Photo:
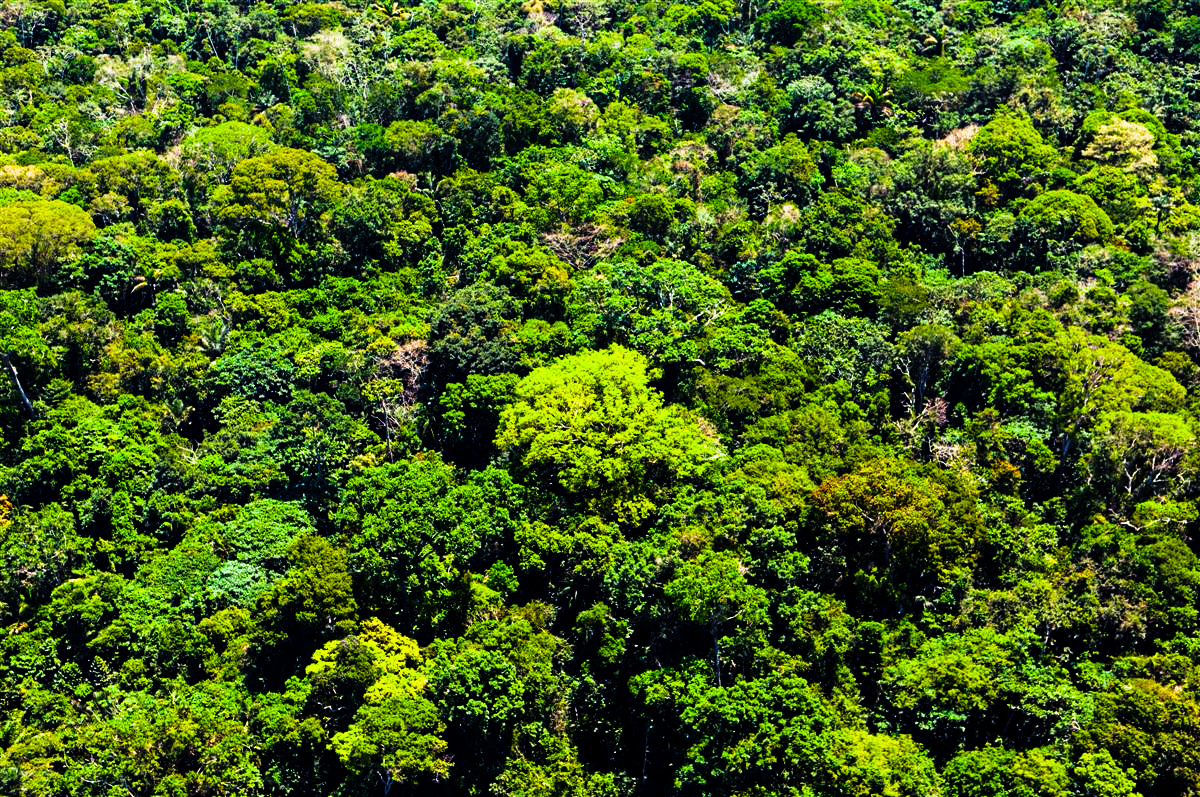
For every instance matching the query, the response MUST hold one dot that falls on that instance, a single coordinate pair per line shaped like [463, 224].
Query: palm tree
[875, 101]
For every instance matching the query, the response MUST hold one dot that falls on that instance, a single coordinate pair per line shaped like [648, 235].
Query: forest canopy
[600, 398]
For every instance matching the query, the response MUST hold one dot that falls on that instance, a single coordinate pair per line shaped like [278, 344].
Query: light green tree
[37, 237]
[592, 424]
[209, 156]
[396, 733]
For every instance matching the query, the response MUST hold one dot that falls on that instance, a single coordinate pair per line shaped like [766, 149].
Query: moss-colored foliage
[599, 398]
[39, 239]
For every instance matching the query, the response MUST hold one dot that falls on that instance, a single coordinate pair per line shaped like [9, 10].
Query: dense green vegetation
[774, 398]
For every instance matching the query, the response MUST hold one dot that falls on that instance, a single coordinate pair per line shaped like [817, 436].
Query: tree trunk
[16, 383]
[717, 656]
[387, 427]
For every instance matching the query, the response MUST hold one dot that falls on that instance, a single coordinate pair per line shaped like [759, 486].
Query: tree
[1139, 456]
[471, 413]
[934, 86]
[20, 338]
[1012, 153]
[771, 735]
[890, 536]
[259, 540]
[385, 223]
[494, 685]
[1065, 217]
[591, 424]
[473, 333]
[846, 348]
[662, 309]
[313, 603]
[395, 735]
[1099, 776]
[563, 194]
[994, 770]
[418, 147]
[1149, 311]
[712, 591]
[38, 551]
[1149, 730]
[406, 541]
[276, 200]
[922, 356]
[38, 238]
[1124, 144]
[211, 153]
[787, 172]
[816, 110]
[141, 179]
[1098, 376]
[1184, 316]
[788, 21]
